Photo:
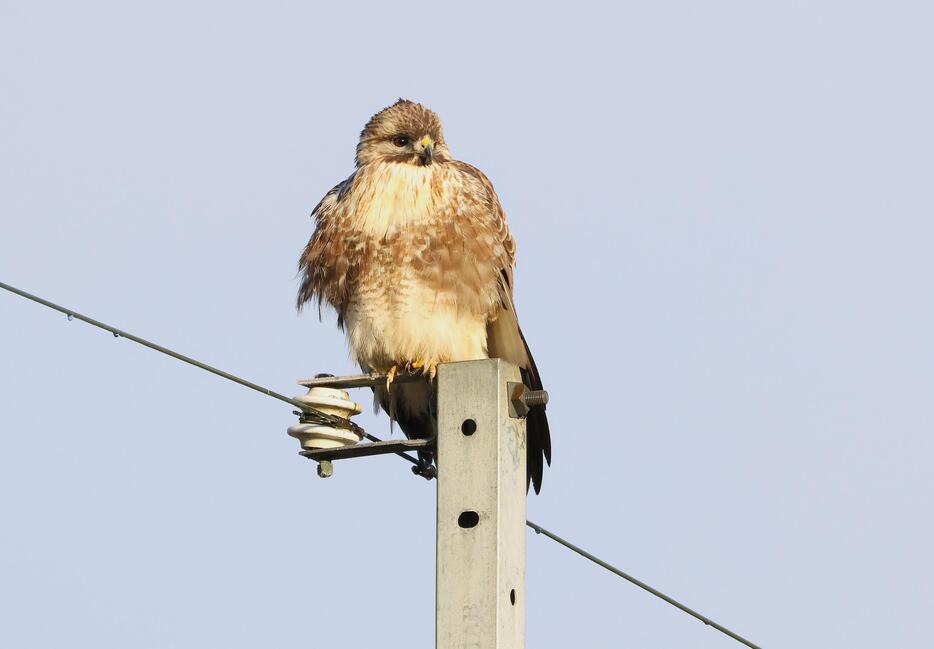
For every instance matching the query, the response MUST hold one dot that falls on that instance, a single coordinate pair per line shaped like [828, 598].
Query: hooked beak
[425, 150]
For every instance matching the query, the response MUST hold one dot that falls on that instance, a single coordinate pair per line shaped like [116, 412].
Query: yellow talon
[391, 376]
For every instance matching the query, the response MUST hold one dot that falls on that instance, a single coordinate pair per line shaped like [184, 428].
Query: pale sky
[724, 221]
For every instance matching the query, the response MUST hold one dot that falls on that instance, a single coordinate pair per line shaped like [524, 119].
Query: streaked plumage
[413, 252]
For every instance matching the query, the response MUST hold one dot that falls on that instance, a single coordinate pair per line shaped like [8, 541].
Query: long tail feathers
[538, 449]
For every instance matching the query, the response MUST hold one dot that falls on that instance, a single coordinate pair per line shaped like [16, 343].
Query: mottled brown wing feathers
[505, 339]
[324, 264]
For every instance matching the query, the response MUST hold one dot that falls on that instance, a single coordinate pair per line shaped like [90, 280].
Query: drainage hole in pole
[512, 597]
[469, 427]
[468, 519]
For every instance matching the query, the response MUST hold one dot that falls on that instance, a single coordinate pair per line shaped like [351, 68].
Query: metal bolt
[535, 398]
[325, 469]
[522, 399]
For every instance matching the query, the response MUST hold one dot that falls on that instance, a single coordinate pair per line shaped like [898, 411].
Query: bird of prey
[413, 252]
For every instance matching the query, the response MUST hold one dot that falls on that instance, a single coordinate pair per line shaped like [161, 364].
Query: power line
[312, 413]
[641, 584]
[119, 333]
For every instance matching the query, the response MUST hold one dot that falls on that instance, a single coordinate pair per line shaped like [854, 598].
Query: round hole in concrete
[468, 519]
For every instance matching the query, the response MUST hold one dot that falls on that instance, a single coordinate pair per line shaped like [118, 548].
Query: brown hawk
[413, 252]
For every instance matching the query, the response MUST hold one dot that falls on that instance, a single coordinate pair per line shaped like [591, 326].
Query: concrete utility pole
[481, 460]
[480, 452]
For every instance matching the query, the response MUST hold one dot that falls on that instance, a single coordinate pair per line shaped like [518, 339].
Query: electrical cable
[310, 414]
[641, 584]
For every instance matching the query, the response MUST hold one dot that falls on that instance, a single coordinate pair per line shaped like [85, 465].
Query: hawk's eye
[401, 140]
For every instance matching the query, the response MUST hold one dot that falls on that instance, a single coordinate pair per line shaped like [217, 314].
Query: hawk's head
[405, 132]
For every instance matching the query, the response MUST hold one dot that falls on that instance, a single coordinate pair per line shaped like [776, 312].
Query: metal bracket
[366, 450]
[324, 456]
[359, 380]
